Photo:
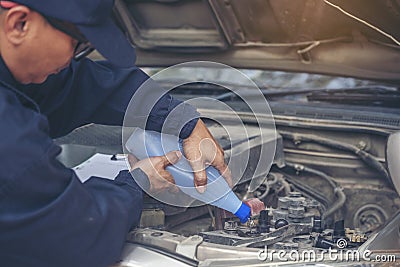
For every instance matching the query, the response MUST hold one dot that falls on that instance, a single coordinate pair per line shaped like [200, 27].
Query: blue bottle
[144, 144]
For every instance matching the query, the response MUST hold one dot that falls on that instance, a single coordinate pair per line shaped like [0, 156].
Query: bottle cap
[243, 213]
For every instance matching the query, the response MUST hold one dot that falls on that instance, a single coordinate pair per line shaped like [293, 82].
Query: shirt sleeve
[98, 92]
[47, 216]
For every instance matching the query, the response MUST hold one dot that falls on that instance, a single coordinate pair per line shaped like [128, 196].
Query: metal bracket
[305, 52]
[188, 247]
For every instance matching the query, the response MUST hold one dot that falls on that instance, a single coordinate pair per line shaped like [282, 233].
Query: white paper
[100, 165]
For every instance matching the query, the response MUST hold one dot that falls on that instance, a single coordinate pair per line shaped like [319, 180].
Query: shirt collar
[6, 76]
[9, 81]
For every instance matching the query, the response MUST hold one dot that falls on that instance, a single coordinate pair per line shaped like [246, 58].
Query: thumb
[172, 157]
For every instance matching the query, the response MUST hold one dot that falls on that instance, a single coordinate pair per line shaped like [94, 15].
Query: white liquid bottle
[144, 144]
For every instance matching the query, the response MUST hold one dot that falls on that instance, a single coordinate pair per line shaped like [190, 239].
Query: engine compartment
[324, 196]
[328, 188]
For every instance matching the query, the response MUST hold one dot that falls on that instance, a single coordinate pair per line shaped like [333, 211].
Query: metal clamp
[188, 247]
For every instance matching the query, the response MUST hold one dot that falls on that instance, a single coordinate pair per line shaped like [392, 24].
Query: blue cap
[243, 213]
[94, 19]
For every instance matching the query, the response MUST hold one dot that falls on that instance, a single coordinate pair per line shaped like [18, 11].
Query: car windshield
[273, 79]
[278, 86]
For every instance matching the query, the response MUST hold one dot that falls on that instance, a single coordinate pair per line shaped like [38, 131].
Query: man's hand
[154, 167]
[202, 150]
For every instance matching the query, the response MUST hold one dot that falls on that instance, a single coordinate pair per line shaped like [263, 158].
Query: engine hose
[307, 189]
[338, 191]
[369, 159]
[341, 199]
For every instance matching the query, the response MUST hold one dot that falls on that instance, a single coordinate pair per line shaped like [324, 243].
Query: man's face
[34, 49]
[48, 52]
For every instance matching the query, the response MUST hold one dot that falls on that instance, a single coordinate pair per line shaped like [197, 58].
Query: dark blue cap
[243, 213]
[94, 19]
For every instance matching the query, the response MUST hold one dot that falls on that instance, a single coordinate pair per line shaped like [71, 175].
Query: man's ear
[15, 24]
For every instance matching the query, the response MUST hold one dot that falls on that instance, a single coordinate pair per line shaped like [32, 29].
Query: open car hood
[357, 38]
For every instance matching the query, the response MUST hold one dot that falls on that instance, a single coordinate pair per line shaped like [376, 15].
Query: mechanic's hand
[202, 150]
[154, 167]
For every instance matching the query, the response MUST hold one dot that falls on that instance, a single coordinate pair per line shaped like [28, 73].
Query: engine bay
[328, 188]
[317, 196]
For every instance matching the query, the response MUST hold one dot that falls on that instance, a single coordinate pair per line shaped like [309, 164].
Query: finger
[226, 173]
[200, 176]
[171, 158]
[166, 175]
[172, 188]
[222, 167]
[162, 182]
[170, 182]
[198, 167]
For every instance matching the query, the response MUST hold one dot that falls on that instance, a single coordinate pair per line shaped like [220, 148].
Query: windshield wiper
[367, 96]
[372, 95]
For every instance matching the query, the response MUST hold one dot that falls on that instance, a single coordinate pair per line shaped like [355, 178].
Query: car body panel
[337, 37]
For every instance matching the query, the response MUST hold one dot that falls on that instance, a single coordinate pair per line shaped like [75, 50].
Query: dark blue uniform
[47, 216]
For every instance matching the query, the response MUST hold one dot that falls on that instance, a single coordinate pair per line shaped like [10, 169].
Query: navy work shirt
[47, 216]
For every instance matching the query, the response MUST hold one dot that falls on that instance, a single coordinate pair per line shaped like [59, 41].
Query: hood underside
[358, 38]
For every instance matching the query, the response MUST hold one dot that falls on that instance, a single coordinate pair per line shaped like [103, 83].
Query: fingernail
[178, 154]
